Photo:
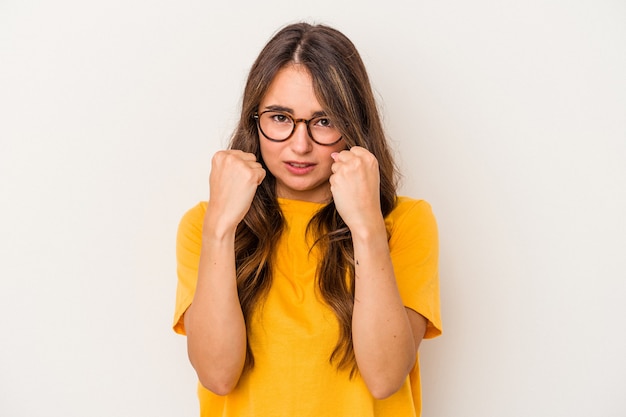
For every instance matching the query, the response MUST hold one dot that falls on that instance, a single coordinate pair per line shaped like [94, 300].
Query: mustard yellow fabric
[293, 333]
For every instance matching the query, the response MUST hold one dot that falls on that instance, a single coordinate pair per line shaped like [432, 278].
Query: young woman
[305, 283]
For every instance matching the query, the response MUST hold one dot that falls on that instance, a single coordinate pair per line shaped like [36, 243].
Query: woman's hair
[342, 87]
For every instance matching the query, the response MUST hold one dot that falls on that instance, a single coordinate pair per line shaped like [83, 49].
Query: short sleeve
[188, 245]
[414, 248]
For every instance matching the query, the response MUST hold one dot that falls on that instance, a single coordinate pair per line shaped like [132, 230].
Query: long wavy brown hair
[343, 89]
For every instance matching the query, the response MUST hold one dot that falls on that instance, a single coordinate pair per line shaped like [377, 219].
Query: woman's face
[301, 166]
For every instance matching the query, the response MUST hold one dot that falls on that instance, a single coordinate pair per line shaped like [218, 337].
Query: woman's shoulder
[193, 218]
[197, 210]
[410, 211]
[406, 205]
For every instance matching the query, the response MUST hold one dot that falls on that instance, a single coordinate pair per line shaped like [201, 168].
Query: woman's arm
[216, 331]
[385, 334]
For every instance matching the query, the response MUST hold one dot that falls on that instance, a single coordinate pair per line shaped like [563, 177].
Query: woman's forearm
[384, 344]
[216, 331]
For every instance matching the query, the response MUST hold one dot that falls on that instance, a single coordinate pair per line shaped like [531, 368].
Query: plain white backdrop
[509, 117]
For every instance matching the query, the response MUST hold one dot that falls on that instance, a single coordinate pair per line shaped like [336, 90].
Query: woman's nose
[300, 140]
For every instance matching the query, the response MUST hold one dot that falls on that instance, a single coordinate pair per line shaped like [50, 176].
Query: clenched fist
[355, 185]
[235, 176]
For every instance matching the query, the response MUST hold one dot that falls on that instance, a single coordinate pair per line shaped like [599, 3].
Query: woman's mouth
[299, 168]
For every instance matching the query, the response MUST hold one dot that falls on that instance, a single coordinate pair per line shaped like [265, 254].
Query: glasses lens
[276, 125]
[324, 131]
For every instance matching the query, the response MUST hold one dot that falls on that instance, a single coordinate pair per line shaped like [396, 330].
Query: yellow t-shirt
[293, 334]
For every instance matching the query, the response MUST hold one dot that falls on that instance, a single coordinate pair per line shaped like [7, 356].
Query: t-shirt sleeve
[414, 247]
[188, 245]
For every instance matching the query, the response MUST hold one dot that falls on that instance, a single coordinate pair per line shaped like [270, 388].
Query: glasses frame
[257, 117]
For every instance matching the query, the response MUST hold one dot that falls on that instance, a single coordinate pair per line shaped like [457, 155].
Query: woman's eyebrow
[279, 108]
[289, 110]
[318, 114]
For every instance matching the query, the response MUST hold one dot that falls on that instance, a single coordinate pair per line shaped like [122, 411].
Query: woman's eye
[280, 118]
[323, 122]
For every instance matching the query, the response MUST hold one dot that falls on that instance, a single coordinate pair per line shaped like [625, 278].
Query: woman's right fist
[235, 176]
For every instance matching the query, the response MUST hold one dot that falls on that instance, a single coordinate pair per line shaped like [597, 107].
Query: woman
[305, 284]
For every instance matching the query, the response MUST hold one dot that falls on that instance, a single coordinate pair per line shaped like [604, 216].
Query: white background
[508, 116]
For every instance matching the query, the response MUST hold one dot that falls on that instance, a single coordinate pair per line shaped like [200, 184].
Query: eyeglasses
[279, 126]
